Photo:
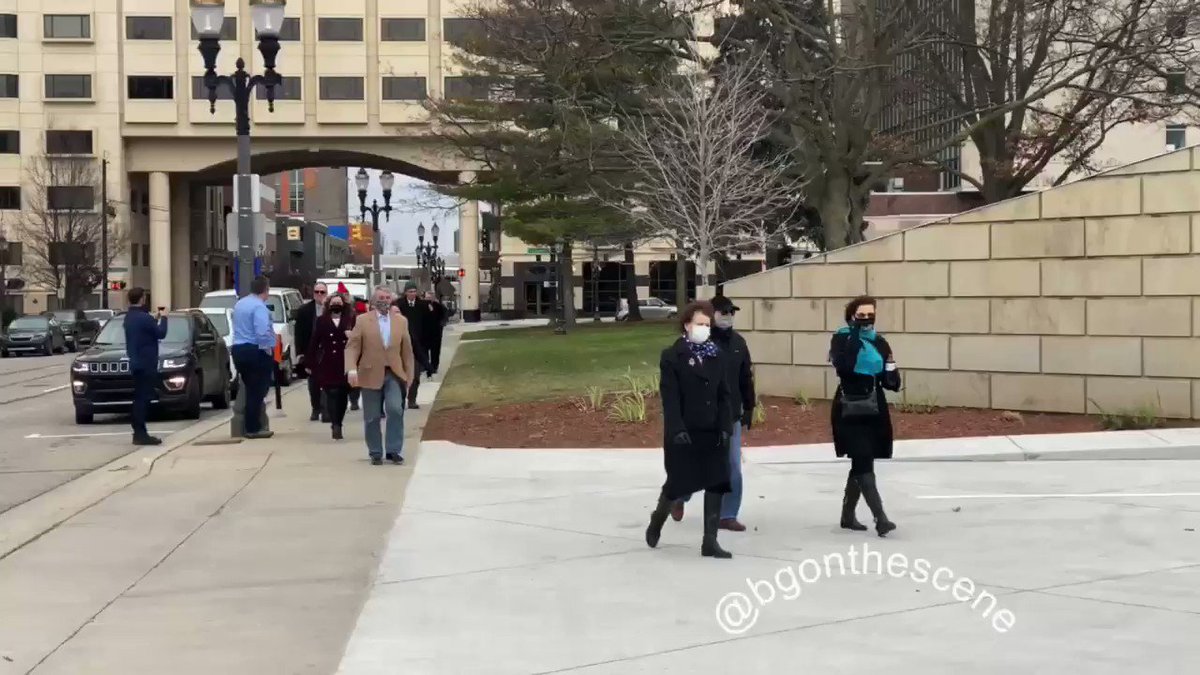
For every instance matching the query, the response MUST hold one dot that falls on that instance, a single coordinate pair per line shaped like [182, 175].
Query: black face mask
[864, 322]
[337, 309]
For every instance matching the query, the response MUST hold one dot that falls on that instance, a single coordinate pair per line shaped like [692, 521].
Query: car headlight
[174, 364]
[79, 367]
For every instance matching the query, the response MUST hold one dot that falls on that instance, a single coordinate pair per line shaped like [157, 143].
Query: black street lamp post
[386, 181]
[208, 16]
[560, 318]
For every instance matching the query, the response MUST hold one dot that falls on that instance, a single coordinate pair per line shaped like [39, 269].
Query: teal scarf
[870, 361]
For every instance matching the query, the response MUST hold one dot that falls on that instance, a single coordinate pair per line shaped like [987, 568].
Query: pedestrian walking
[434, 330]
[327, 360]
[739, 373]
[418, 314]
[142, 335]
[379, 361]
[306, 320]
[862, 426]
[697, 414]
[354, 307]
[253, 354]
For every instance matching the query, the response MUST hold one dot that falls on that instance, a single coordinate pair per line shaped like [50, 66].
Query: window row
[58, 198]
[58, 142]
[69, 86]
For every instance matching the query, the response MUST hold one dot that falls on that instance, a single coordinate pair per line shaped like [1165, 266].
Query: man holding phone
[142, 334]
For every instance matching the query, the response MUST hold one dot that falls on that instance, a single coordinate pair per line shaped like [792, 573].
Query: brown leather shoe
[731, 524]
[677, 511]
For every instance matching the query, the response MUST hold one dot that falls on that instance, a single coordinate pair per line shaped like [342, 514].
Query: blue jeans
[374, 402]
[731, 503]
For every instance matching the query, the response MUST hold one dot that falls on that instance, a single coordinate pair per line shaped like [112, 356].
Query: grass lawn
[529, 364]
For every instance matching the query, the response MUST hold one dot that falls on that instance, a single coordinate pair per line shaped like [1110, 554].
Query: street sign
[293, 233]
[537, 251]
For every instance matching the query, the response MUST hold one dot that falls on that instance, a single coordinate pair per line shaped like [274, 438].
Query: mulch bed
[569, 424]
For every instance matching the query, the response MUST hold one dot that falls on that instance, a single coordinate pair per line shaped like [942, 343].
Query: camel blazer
[366, 354]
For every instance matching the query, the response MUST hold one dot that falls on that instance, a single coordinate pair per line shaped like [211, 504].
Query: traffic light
[117, 285]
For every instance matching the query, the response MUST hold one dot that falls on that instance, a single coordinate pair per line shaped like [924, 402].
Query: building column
[468, 254]
[160, 238]
[181, 246]
[641, 273]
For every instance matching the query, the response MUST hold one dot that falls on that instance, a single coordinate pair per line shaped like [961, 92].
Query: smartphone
[162, 309]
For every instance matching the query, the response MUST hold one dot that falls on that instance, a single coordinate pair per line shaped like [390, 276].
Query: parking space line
[1069, 495]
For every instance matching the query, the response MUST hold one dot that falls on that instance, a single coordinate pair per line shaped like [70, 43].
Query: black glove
[682, 438]
[748, 418]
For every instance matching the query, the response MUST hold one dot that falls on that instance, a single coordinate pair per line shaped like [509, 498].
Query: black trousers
[862, 464]
[256, 368]
[412, 389]
[143, 393]
[336, 400]
[435, 350]
[314, 394]
[355, 394]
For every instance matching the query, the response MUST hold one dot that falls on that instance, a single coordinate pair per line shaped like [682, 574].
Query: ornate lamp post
[208, 16]
[362, 181]
[427, 254]
[560, 319]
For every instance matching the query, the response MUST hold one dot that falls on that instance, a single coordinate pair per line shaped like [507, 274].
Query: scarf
[869, 361]
[702, 350]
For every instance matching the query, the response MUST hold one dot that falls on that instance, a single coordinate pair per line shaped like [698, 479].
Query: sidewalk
[232, 558]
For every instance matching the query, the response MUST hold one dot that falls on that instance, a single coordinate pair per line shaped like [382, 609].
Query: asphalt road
[40, 445]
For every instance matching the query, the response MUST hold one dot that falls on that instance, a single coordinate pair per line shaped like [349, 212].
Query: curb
[29, 520]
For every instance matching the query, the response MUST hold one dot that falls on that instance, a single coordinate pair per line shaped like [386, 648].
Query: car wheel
[84, 415]
[195, 397]
[220, 400]
[71, 346]
[48, 350]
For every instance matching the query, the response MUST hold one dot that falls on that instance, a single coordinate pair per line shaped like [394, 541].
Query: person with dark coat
[327, 359]
[862, 426]
[435, 328]
[735, 353]
[418, 314]
[697, 417]
[142, 335]
[306, 319]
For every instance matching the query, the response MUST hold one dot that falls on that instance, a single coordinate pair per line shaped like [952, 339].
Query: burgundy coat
[327, 349]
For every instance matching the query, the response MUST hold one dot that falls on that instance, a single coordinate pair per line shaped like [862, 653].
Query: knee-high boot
[849, 503]
[712, 520]
[870, 494]
[657, 518]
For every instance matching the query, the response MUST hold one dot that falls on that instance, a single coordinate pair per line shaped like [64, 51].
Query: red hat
[342, 290]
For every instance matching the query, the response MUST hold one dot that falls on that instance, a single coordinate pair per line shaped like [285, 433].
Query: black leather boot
[870, 493]
[712, 520]
[849, 503]
[658, 517]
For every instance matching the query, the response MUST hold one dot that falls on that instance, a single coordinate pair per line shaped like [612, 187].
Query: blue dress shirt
[252, 324]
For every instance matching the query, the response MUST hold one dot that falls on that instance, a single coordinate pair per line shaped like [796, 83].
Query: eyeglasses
[320, 292]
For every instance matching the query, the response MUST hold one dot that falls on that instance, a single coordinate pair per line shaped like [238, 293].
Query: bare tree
[698, 178]
[61, 227]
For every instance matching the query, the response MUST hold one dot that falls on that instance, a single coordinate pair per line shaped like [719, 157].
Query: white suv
[283, 303]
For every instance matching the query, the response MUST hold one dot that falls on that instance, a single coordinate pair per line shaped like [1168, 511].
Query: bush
[1145, 416]
[801, 399]
[629, 408]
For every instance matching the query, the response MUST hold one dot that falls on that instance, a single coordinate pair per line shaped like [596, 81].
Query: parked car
[76, 327]
[222, 320]
[34, 334]
[283, 303]
[193, 368]
[101, 316]
[650, 308]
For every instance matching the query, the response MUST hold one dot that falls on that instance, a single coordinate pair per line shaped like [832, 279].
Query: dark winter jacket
[738, 368]
[142, 334]
[870, 437]
[694, 392]
[326, 355]
[419, 317]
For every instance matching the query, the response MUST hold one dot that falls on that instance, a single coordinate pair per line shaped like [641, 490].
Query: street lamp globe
[387, 180]
[435, 231]
[421, 230]
[267, 16]
[362, 180]
[208, 16]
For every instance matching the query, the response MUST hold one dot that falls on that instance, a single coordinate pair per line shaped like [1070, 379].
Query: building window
[340, 30]
[296, 192]
[10, 142]
[289, 31]
[341, 88]
[151, 86]
[148, 28]
[70, 198]
[200, 92]
[8, 25]
[289, 89]
[403, 30]
[9, 86]
[404, 89]
[468, 88]
[1176, 83]
[228, 29]
[68, 86]
[1176, 136]
[10, 198]
[67, 26]
[68, 142]
[460, 31]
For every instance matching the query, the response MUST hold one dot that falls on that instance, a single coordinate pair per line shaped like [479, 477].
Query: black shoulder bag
[860, 406]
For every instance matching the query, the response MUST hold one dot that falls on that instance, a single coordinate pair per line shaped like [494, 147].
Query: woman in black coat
[697, 419]
[862, 427]
[326, 358]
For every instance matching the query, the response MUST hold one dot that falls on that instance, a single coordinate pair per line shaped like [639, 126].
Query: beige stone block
[942, 241]
[889, 314]
[908, 279]
[1171, 193]
[769, 348]
[1100, 196]
[743, 319]
[1092, 277]
[1149, 317]
[947, 388]
[1003, 278]
[1027, 207]
[1195, 316]
[1132, 395]
[1001, 353]
[777, 380]
[1171, 276]
[946, 315]
[1172, 357]
[789, 314]
[1195, 399]
[890, 247]
[1038, 239]
[832, 381]
[1180, 160]
[811, 349]
[776, 283]
[1084, 355]
[1045, 393]
[1039, 316]
[1139, 235]
[828, 281]
[920, 350]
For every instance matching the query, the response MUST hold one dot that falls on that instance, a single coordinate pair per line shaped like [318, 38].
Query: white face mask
[698, 334]
[724, 321]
